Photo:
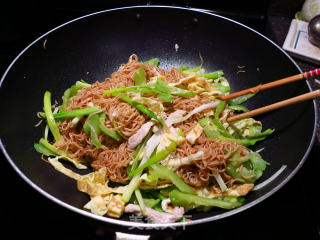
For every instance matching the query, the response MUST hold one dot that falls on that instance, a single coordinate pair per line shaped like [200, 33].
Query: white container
[297, 42]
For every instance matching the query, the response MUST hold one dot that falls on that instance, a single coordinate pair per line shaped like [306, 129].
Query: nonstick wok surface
[92, 47]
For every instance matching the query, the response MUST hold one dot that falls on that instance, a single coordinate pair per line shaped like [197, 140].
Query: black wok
[94, 46]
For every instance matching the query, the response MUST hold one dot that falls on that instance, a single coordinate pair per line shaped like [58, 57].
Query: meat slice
[155, 216]
[137, 138]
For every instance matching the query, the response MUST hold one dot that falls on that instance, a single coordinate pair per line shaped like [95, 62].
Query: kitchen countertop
[277, 29]
[279, 17]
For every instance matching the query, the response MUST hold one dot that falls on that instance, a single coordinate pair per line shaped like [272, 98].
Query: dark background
[291, 213]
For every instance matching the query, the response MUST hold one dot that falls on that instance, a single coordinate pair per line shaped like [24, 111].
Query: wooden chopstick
[277, 105]
[272, 84]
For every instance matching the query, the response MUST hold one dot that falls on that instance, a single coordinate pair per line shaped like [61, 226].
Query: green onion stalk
[49, 116]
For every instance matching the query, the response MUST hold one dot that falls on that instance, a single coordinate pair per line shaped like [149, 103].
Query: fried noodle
[115, 155]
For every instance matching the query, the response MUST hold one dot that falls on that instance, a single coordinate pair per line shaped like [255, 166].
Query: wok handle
[127, 236]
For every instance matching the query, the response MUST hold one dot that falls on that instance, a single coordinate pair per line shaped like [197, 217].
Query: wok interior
[93, 47]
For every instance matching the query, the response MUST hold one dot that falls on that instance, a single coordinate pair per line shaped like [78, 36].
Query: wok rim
[124, 223]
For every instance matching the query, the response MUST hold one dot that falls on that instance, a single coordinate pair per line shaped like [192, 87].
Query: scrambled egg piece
[115, 206]
[98, 205]
[194, 134]
[94, 183]
[169, 136]
[112, 205]
[154, 79]
[59, 167]
[237, 190]
[198, 85]
[240, 190]
[93, 189]
[103, 198]
[225, 113]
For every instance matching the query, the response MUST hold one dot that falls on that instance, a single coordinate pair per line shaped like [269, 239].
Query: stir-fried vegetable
[134, 183]
[110, 133]
[161, 88]
[189, 70]
[43, 149]
[239, 108]
[50, 148]
[73, 113]
[221, 88]
[186, 69]
[132, 89]
[118, 131]
[71, 92]
[162, 172]
[213, 128]
[153, 168]
[153, 62]
[189, 201]
[136, 156]
[155, 158]
[47, 149]
[142, 108]
[140, 77]
[151, 199]
[217, 121]
[250, 170]
[243, 141]
[212, 75]
[241, 99]
[92, 126]
[150, 202]
[140, 201]
[248, 128]
[49, 116]
[212, 131]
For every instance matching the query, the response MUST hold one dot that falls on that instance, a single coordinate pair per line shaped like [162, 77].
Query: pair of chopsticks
[290, 101]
